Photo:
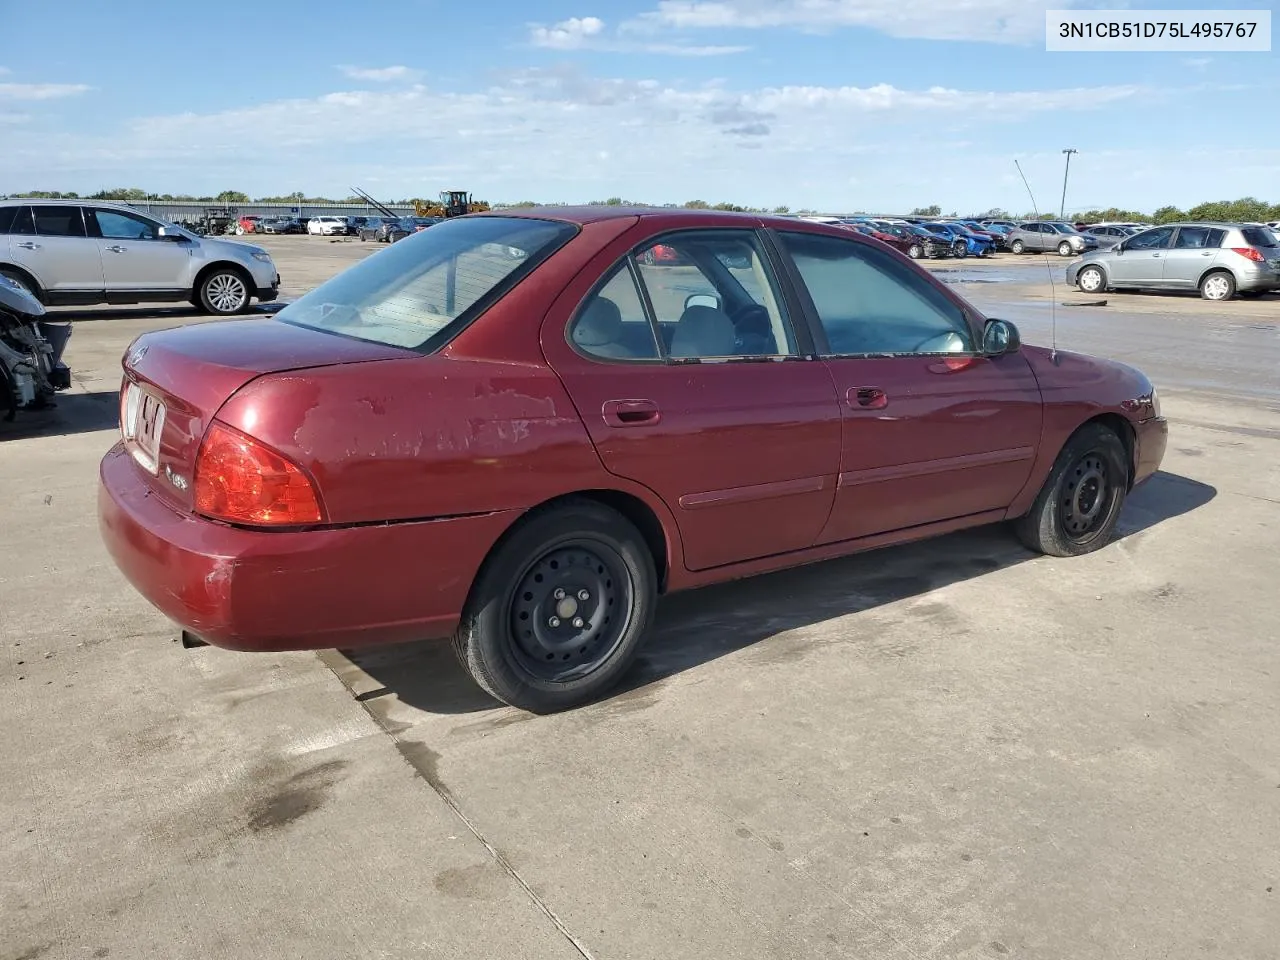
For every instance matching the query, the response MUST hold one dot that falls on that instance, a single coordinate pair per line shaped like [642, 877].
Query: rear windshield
[1260, 237]
[408, 294]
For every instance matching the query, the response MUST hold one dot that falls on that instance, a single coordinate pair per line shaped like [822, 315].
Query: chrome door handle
[116, 248]
[871, 398]
[28, 245]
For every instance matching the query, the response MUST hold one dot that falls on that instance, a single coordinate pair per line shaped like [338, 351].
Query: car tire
[1064, 249]
[522, 636]
[1218, 285]
[1017, 246]
[1079, 505]
[914, 251]
[224, 292]
[1096, 281]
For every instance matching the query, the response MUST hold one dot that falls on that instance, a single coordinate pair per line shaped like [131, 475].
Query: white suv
[69, 252]
[327, 226]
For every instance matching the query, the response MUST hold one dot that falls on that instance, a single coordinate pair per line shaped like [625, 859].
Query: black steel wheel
[1079, 505]
[560, 608]
[570, 609]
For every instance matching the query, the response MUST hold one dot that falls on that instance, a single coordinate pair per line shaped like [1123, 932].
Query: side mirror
[170, 234]
[1000, 337]
[1119, 247]
[701, 300]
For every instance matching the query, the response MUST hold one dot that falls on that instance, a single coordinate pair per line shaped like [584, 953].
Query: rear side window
[419, 291]
[6, 218]
[1259, 237]
[1196, 238]
[59, 221]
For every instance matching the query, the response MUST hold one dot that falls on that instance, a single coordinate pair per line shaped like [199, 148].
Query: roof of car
[593, 214]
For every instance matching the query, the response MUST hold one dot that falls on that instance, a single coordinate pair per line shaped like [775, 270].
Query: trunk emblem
[135, 357]
[177, 479]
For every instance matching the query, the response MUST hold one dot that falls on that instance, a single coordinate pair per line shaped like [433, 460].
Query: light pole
[1062, 213]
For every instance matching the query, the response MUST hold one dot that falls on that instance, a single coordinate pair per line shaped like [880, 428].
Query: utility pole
[1062, 213]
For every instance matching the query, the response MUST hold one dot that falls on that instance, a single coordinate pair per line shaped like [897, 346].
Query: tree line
[1246, 209]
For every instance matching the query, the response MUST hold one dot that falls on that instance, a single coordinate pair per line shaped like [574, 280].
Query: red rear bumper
[269, 590]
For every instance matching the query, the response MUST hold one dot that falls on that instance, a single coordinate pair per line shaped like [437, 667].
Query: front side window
[117, 225]
[869, 304]
[1157, 239]
[412, 294]
[58, 221]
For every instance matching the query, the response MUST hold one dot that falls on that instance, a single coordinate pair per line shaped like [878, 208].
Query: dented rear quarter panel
[482, 426]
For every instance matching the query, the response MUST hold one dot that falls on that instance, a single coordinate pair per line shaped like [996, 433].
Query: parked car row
[387, 230]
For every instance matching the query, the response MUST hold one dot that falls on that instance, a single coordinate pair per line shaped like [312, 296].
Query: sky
[833, 105]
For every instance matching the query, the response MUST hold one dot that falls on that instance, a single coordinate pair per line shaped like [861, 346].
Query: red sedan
[512, 431]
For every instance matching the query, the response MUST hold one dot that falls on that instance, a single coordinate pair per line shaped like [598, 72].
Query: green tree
[931, 211]
[696, 205]
[232, 196]
[784, 209]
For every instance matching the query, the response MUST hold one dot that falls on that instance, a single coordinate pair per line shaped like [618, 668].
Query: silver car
[1108, 235]
[80, 252]
[1218, 259]
[1040, 235]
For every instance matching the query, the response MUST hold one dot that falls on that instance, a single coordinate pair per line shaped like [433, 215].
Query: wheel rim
[1064, 249]
[226, 292]
[914, 251]
[1087, 499]
[1216, 287]
[1091, 280]
[1017, 246]
[569, 610]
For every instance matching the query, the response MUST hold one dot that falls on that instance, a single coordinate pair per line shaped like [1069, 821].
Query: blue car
[964, 242]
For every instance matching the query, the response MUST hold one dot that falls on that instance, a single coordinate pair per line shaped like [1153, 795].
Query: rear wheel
[224, 292]
[1219, 285]
[559, 609]
[1079, 505]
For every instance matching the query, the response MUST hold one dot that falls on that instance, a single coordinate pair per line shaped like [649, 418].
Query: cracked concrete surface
[947, 750]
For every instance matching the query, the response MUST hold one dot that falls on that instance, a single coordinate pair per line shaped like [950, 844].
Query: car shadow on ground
[698, 626]
[74, 413]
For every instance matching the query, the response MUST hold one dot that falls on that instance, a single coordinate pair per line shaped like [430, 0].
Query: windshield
[409, 293]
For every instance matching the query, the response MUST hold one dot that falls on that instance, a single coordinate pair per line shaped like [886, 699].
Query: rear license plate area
[142, 425]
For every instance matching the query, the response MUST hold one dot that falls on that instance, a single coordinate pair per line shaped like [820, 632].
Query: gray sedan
[1218, 259]
[1108, 236]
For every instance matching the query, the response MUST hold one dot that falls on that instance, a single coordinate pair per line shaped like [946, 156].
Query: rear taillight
[1249, 253]
[240, 480]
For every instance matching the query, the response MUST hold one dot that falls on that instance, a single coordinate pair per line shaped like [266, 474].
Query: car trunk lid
[176, 380]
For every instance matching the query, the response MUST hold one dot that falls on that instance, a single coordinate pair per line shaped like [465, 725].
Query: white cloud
[382, 74]
[558, 134]
[4, 70]
[40, 91]
[996, 21]
[588, 33]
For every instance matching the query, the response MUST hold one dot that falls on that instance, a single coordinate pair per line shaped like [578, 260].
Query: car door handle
[1156, 256]
[116, 248]
[28, 245]
[868, 398]
[630, 413]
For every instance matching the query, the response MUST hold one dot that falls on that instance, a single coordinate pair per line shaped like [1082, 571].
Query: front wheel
[1079, 505]
[559, 609]
[914, 251]
[224, 293]
[1091, 280]
[1219, 285]
[1064, 249]
[1017, 246]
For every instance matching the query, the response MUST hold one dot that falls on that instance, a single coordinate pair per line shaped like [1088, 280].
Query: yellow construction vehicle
[452, 203]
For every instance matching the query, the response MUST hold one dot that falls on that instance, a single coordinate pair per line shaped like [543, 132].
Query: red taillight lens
[1249, 253]
[239, 480]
